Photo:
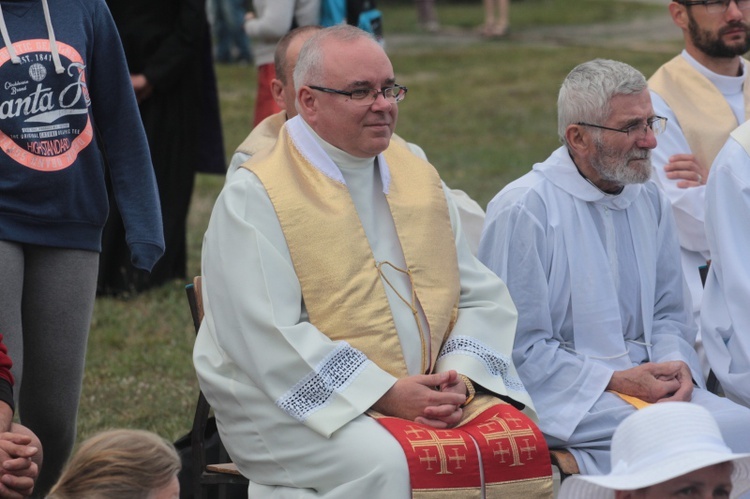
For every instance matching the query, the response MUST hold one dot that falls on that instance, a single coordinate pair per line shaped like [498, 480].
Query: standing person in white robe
[588, 248]
[309, 308]
[265, 133]
[702, 93]
[726, 315]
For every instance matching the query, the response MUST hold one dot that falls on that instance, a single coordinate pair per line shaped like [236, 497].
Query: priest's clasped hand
[416, 399]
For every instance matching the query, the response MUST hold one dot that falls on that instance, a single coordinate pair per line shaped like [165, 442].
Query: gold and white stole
[700, 108]
[341, 283]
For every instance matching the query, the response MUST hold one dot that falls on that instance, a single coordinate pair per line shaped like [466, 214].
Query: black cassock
[169, 42]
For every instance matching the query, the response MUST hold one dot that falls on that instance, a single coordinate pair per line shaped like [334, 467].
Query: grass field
[484, 112]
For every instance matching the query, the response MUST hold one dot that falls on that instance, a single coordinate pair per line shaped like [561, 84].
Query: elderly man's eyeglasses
[366, 96]
[716, 6]
[657, 124]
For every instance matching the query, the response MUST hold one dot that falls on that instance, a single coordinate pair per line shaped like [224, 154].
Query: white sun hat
[658, 443]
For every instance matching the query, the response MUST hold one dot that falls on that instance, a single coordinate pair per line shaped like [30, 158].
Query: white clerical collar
[727, 85]
[342, 158]
[328, 158]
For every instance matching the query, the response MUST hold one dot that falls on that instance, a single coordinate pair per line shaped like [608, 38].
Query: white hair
[586, 92]
[309, 69]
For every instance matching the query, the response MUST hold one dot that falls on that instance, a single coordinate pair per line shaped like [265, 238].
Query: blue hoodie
[66, 103]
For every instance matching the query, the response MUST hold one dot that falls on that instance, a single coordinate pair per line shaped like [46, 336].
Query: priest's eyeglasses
[716, 6]
[657, 124]
[394, 94]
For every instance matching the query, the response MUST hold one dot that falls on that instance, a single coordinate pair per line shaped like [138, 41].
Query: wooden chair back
[207, 474]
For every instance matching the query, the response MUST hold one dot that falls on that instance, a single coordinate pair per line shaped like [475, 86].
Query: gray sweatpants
[46, 302]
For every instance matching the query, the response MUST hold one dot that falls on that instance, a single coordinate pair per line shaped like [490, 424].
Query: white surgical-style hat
[658, 443]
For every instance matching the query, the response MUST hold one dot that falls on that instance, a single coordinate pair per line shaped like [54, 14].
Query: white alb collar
[328, 158]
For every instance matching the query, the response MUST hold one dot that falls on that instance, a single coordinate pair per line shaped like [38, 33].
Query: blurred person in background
[168, 50]
[266, 25]
[496, 18]
[427, 15]
[226, 24]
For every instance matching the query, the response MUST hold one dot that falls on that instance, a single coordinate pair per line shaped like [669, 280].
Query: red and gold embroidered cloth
[499, 450]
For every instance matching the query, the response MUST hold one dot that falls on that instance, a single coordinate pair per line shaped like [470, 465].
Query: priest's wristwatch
[469, 388]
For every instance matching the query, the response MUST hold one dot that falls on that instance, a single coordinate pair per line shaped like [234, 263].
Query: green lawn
[484, 112]
[400, 16]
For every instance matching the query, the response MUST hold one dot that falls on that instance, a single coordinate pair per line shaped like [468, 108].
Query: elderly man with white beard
[588, 247]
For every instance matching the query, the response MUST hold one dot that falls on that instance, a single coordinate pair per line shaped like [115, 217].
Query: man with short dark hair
[265, 133]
